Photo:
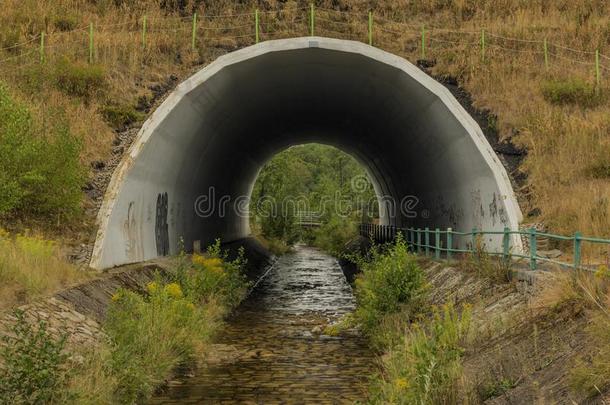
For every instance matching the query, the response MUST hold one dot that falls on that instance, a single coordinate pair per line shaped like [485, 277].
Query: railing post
[506, 243]
[371, 28]
[194, 33]
[474, 240]
[577, 249]
[437, 244]
[418, 240]
[312, 19]
[533, 249]
[449, 242]
[42, 47]
[256, 26]
[427, 241]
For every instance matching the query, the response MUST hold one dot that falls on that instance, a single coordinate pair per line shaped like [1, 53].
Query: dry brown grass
[568, 144]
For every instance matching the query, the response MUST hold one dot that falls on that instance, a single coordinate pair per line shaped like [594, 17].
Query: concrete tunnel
[191, 169]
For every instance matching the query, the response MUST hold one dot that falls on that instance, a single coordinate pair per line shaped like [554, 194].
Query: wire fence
[97, 43]
[445, 243]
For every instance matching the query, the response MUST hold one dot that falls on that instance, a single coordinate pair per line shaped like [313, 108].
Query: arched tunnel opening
[190, 172]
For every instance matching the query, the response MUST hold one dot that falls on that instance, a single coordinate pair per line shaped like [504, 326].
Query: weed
[571, 91]
[33, 365]
[121, 116]
[79, 79]
[426, 367]
[391, 281]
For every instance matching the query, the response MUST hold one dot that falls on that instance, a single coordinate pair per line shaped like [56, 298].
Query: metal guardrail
[439, 241]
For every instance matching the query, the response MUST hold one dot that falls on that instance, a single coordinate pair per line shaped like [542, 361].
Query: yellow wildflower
[190, 306]
[602, 272]
[173, 290]
[401, 383]
[152, 287]
[116, 297]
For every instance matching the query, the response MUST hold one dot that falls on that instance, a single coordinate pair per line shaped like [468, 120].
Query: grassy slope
[568, 145]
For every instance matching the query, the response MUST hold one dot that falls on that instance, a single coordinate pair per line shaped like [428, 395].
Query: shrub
[120, 116]
[32, 368]
[40, 172]
[571, 91]
[80, 79]
[390, 280]
[426, 366]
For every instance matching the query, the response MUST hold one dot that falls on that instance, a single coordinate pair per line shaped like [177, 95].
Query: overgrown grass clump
[31, 266]
[40, 172]
[571, 91]
[425, 368]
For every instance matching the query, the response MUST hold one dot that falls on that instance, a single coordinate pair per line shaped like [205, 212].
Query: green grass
[571, 91]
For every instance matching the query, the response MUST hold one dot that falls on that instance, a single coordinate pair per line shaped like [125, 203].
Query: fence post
[42, 47]
[144, 32]
[312, 18]
[418, 240]
[371, 28]
[91, 43]
[483, 45]
[546, 55]
[437, 243]
[597, 71]
[533, 253]
[506, 243]
[194, 33]
[577, 249]
[256, 25]
[427, 241]
[449, 242]
[423, 42]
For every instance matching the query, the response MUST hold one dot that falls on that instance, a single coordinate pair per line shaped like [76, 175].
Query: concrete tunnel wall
[218, 128]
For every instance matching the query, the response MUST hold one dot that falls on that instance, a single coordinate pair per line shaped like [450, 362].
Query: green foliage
[120, 116]
[215, 277]
[571, 91]
[334, 234]
[40, 172]
[33, 365]
[79, 79]
[316, 178]
[390, 281]
[497, 388]
[426, 366]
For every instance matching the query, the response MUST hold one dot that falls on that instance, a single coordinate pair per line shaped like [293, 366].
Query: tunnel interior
[190, 172]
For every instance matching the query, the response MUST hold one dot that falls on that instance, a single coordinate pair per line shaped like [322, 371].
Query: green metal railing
[441, 242]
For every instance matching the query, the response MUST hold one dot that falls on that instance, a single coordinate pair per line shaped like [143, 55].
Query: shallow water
[272, 351]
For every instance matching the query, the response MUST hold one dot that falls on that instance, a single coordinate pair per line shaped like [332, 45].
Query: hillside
[99, 88]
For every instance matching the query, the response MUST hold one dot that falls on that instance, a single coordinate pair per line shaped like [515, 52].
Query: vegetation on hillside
[31, 266]
[149, 336]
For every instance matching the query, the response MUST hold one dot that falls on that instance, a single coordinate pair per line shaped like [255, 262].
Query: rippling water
[272, 351]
